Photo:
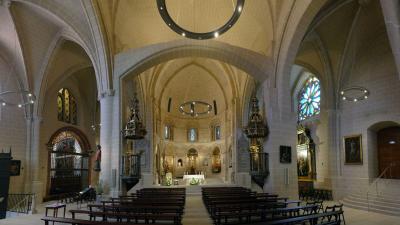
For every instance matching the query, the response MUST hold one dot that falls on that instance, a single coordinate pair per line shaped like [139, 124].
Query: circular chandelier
[195, 108]
[162, 8]
[27, 99]
[354, 94]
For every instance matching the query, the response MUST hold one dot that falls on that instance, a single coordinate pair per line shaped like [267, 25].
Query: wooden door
[389, 152]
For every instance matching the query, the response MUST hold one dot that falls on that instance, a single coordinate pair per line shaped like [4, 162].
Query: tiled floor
[196, 214]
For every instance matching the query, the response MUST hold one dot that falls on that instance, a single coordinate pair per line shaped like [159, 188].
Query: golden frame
[355, 158]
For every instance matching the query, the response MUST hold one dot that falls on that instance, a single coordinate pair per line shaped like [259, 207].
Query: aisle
[195, 212]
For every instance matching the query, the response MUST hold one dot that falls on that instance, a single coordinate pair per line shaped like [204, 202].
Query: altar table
[188, 178]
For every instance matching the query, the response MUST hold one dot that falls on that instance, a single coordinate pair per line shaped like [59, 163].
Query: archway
[68, 162]
[388, 152]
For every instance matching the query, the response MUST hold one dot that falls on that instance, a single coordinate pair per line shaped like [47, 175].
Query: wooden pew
[256, 213]
[328, 218]
[172, 218]
[48, 220]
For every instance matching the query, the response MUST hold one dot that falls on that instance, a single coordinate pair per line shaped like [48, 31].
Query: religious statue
[97, 159]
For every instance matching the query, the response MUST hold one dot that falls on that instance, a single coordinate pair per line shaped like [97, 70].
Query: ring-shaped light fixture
[162, 8]
[28, 98]
[354, 94]
[192, 106]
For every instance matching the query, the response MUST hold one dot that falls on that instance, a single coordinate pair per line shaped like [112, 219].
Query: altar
[187, 178]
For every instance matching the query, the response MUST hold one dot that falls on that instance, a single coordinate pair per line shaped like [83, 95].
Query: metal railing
[386, 171]
[20, 203]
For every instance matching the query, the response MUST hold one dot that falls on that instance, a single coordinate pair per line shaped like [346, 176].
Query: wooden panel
[389, 152]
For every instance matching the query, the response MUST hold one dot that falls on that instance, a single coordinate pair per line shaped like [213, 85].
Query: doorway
[69, 162]
[389, 152]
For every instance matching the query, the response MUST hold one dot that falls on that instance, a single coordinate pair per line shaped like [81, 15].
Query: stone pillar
[106, 120]
[33, 170]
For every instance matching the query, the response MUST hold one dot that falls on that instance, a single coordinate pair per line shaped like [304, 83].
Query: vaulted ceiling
[340, 34]
[133, 24]
[193, 79]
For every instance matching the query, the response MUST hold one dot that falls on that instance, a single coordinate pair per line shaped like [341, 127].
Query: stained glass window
[167, 132]
[66, 107]
[192, 134]
[217, 133]
[309, 99]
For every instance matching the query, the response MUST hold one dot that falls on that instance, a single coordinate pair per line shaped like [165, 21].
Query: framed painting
[285, 154]
[353, 152]
[15, 168]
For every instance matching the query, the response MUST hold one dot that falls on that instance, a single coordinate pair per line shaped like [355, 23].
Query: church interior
[199, 112]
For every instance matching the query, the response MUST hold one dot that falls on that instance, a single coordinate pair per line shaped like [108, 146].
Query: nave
[296, 98]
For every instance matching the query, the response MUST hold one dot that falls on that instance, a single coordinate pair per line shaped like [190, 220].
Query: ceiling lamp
[354, 94]
[134, 129]
[195, 108]
[27, 98]
[162, 8]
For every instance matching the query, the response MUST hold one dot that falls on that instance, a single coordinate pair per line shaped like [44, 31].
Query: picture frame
[285, 154]
[353, 151]
[15, 168]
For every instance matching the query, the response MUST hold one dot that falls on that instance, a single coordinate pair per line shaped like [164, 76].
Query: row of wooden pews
[150, 205]
[238, 205]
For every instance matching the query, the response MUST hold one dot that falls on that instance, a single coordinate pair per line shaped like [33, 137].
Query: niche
[216, 161]
[180, 163]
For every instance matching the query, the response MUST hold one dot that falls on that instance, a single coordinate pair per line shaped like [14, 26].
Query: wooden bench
[255, 213]
[174, 218]
[137, 208]
[328, 218]
[71, 221]
[55, 207]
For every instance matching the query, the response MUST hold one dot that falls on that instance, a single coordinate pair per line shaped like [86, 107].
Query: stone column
[106, 118]
[34, 183]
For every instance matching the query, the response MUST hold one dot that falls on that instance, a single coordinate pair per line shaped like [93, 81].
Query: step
[365, 204]
[371, 208]
[374, 201]
[374, 197]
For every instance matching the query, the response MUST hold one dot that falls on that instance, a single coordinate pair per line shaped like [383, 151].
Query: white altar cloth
[188, 178]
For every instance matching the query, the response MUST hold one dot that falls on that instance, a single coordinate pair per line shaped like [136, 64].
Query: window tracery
[309, 99]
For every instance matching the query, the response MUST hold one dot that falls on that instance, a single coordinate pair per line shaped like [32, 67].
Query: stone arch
[67, 167]
[51, 53]
[78, 134]
[136, 61]
[74, 32]
[298, 23]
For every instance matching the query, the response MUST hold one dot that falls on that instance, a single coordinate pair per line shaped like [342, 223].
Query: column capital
[30, 118]
[5, 3]
[107, 93]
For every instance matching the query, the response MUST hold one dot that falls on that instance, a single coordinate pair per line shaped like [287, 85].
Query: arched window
[168, 132]
[309, 99]
[192, 134]
[66, 107]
